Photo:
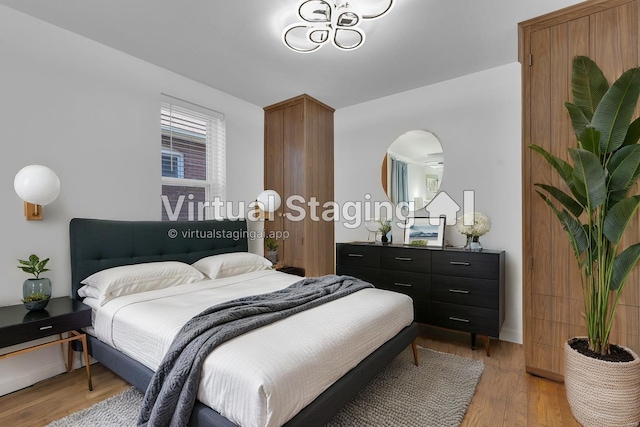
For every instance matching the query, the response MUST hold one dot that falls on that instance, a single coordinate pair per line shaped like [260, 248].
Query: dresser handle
[459, 263]
[406, 285]
[458, 291]
[457, 319]
[46, 327]
[399, 258]
[356, 255]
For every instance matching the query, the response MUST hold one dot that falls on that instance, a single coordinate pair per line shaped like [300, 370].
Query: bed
[97, 245]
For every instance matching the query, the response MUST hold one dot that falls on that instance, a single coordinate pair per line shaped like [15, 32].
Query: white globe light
[37, 184]
[269, 200]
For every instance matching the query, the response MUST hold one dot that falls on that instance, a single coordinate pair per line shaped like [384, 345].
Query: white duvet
[266, 376]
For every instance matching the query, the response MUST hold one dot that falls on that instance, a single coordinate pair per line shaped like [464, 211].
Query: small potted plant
[384, 229]
[272, 249]
[36, 291]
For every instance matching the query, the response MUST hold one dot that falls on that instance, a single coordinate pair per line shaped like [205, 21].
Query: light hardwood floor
[506, 395]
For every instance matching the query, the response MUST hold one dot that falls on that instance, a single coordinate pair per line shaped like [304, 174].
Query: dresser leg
[473, 341]
[415, 352]
[486, 346]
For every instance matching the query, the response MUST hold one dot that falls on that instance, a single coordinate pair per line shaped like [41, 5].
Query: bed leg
[414, 347]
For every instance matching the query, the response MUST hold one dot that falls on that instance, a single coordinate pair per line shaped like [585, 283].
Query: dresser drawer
[406, 259]
[370, 275]
[466, 264]
[465, 291]
[358, 255]
[477, 320]
[416, 285]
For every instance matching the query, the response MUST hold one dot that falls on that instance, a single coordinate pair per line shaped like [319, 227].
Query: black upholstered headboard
[97, 244]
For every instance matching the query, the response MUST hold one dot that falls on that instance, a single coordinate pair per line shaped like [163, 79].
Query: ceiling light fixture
[336, 21]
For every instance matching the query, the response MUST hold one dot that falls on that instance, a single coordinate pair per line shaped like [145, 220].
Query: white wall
[477, 119]
[91, 114]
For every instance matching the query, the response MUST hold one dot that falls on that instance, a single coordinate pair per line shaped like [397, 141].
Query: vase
[272, 256]
[40, 287]
[602, 393]
[473, 243]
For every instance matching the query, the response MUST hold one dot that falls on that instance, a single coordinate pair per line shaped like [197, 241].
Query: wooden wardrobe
[298, 147]
[607, 32]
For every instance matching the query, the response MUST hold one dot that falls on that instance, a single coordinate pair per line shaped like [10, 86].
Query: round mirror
[412, 168]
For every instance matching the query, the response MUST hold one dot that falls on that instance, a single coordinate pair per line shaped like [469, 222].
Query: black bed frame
[98, 244]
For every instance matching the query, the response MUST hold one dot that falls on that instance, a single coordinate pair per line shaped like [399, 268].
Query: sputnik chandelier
[334, 21]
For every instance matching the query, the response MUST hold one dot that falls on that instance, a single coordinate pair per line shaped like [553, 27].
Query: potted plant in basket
[272, 249]
[602, 380]
[36, 291]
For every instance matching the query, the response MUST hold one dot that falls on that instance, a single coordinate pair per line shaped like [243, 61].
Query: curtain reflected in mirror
[412, 168]
[399, 184]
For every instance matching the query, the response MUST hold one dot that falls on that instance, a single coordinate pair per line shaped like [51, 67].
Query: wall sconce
[38, 186]
[269, 201]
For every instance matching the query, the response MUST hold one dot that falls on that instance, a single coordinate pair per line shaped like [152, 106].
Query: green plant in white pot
[36, 291]
[595, 209]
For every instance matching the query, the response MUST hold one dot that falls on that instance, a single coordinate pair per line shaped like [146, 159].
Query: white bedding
[266, 376]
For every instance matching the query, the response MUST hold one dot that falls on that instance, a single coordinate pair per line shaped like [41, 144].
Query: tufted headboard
[97, 244]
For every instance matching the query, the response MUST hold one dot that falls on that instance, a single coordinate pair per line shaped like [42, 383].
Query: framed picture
[423, 233]
[432, 183]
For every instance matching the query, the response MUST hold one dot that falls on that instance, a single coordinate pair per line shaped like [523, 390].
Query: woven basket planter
[602, 393]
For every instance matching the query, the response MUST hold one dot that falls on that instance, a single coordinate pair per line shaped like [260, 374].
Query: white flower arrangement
[481, 224]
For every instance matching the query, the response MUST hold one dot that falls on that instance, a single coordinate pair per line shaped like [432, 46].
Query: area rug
[435, 394]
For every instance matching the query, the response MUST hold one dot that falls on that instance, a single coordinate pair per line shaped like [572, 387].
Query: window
[193, 160]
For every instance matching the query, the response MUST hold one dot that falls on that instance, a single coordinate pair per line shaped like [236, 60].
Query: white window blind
[193, 159]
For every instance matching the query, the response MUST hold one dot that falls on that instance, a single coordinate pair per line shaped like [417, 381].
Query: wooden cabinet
[454, 289]
[298, 147]
[607, 32]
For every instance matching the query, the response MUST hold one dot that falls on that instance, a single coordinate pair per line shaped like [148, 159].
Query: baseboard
[511, 335]
[26, 379]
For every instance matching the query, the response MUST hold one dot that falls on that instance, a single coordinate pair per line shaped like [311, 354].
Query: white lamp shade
[37, 184]
[269, 200]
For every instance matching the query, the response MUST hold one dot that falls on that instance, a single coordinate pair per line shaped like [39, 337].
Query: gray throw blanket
[170, 397]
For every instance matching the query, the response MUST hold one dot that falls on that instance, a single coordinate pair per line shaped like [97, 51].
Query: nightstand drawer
[465, 291]
[416, 285]
[358, 255]
[477, 320]
[18, 325]
[466, 264]
[406, 259]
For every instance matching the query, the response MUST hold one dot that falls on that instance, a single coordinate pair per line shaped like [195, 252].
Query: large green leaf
[623, 265]
[578, 119]
[613, 115]
[618, 218]
[590, 140]
[567, 201]
[575, 231]
[588, 85]
[622, 167]
[633, 133]
[589, 172]
[564, 169]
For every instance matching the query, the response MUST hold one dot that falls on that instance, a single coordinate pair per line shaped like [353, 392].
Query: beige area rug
[435, 394]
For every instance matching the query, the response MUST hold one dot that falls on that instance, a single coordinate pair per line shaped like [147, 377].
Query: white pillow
[130, 279]
[231, 264]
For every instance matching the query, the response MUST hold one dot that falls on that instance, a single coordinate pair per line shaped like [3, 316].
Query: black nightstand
[19, 325]
[298, 271]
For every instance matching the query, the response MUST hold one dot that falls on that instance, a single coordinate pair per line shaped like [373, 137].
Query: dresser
[454, 288]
